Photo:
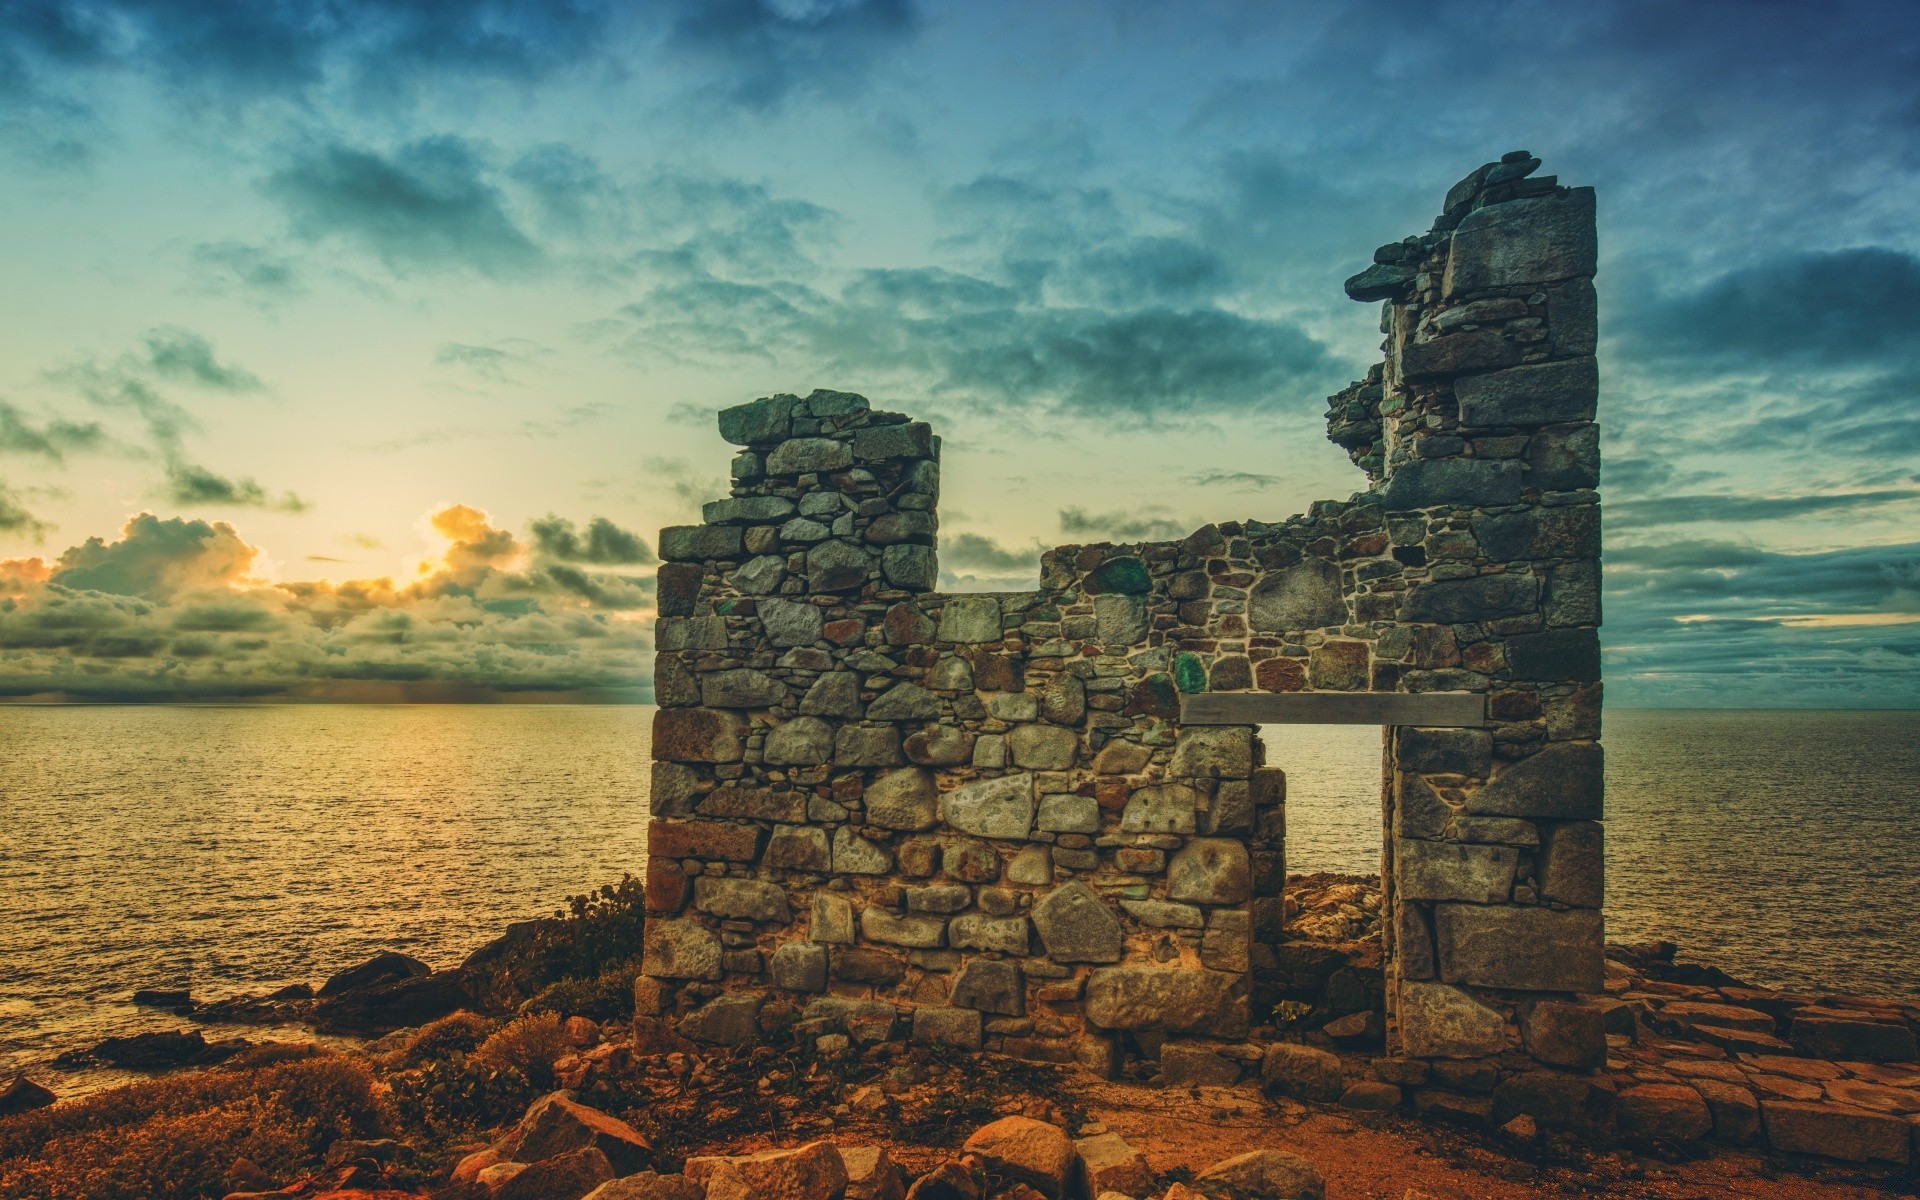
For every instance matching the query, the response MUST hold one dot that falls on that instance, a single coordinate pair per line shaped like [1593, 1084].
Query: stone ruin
[1040, 822]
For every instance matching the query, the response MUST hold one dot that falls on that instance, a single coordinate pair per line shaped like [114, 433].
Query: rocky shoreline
[1702, 1071]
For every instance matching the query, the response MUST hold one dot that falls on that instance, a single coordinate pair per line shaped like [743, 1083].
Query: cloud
[183, 356]
[974, 551]
[14, 517]
[51, 441]
[175, 608]
[191, 484]
[765, 50]
[1690, 509]
[426, 206]
[604, 542]
[1244, 481]
[1145, 524]
[254, 269]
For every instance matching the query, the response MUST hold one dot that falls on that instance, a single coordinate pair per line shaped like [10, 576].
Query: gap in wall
[1333, 795]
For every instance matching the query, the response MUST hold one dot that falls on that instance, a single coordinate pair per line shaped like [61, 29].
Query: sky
[358, 350]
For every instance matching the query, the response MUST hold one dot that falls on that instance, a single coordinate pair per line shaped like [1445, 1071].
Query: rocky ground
[1711, 1088]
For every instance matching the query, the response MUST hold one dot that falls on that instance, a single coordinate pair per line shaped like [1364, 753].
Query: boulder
[1670, 1111]
[568, 1176]
[399, 1004]
[24, 1095]
[1262, 1175]
[1027, 1151]
[871, 1174]
[1835, 1131]
[948, 1181]
[1303, 1071]
[648, 1186]
[1111, 1165]
[814, 1171]
[161, 1050]
[1837, 1037]
[388, 966]
[1565, 1033]
[557, 1125]
[725, 1020]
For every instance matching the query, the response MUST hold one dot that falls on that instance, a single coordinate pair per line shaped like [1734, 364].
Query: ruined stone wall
[978, 818]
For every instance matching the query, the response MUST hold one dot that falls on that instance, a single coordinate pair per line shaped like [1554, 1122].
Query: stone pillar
[1480, 433]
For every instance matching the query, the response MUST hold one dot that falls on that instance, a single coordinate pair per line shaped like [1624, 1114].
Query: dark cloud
[173, 609]
[52, 440]
[490, 361]
[183, 356]
[977, 552]
[1149, 523]
[15, 518]
[766, 50]
[1689, 509]
[1245, 481]
[1841, 307]
[603, 543]
[252, 269]
[428, 205]
[190, 484]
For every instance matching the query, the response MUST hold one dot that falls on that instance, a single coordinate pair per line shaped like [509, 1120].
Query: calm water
[240, 849]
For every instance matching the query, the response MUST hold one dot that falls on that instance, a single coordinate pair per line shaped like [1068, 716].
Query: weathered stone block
[761, 576]
[747, 510]
[1564, 781]
[935, 1026]
[808, 455]
[799, 848]
[1304, 1071]
[991, 986]
[970, 620]
[1444, 751]
[1338, 665]
[1412, 942]
[764, 420]
[1161, 808]
[1431, 482]
[1119, 620]
[800, 967]
[742, 899]
[1189, 1064]
[1226, 944]
[803, 741]
[1453, 871]
[1555, 655]
[675, 787]
[855, 855]
[1670, 1111]
[1564, 1033]
[914, 439]
[893, 528]
[679, 588]
[1835, 1131]
[912, 567]
[837, 566]
[1519, 946]
[1438, 1021]
[1453, 354]
[1304, 596]
[680, 949]
[790, 622]
[1031, 867]
[1043, 747]
[698, 543]
[702, 735]
[1573, 866]
[903, 800]
[1000, 935]
[1540, 240]
[1482, 598]
[866, 746]
[879, 925]
[1210, 871]
[720, 841]
[1162, 914]
[1076, 925]
[1171, 999]
[904, 702]
[1545, 393]
[831, 920]
[1001, 807]
[1213, 752]
[1066, 812]
[865, 964]
[690, 633]
[1114, 1166]
[835, 694]
[1262, 1175]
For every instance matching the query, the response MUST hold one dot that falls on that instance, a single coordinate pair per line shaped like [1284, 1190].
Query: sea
[233, 850]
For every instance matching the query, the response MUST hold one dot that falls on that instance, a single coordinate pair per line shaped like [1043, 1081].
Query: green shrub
[598, 931]
[455, 1034]
[446, 1097]
[178, 1138]
[527, 1045]
[607, 996]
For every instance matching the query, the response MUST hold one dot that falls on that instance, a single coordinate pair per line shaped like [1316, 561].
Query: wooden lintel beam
[1441, 709]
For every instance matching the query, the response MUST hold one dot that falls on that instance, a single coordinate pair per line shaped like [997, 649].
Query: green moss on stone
[1125, 575]
[1189, 672]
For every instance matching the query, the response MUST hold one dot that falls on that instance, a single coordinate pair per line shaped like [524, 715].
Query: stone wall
[977, 819]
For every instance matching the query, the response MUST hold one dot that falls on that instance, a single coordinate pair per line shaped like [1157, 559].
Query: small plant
[459, 1095]
[527, 1045]
[607, 996]
[455, 1034]
[599, 931]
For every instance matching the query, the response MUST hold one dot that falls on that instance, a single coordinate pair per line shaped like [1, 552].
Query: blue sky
[403, 323]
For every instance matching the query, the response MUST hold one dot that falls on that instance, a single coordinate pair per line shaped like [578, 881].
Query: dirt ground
[1367, 1156]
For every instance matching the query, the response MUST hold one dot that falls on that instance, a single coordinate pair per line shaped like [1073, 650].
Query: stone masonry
[979, 820]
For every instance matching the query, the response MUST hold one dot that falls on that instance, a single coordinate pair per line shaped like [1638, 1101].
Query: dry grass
[180, 1138]
[528, 1045]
